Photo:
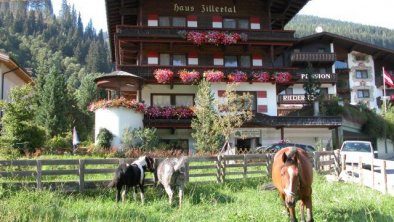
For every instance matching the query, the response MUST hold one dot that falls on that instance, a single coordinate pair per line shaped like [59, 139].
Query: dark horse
[132, 175]
[292, 175]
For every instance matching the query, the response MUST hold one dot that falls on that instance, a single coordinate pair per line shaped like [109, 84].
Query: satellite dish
[319, 29]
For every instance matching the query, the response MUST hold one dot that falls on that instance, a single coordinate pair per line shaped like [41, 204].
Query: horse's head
[147, 163]
[290, 177]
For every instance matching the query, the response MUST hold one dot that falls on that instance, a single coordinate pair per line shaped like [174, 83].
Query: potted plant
[189, 76]
[283, 77]
[261, 76]
[163, 75]
[237, 76]
[213, 75]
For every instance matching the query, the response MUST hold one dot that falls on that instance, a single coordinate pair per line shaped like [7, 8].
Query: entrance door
[244, 145]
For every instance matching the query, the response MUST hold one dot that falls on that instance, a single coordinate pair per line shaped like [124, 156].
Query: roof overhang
[15, 67]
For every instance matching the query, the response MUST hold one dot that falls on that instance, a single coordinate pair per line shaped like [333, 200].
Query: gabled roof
[349, 44]
[15, 67]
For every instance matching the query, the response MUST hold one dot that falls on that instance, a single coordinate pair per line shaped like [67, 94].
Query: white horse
[170, 174]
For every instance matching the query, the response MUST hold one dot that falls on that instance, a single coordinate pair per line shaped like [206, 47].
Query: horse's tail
[180, 163]
[115, 180]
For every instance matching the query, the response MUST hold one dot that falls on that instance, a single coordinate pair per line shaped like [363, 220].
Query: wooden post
[218, 171]
[360, 170]
[373, 173]
[245, 167]
[223, 166]
[268, 163]
[187, 171]
[337, 162]
[81, 175]
[316, 161]
[384, 176]
[39, 175]
[343, 162]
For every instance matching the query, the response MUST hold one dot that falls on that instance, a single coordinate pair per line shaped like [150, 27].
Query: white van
[354, 149]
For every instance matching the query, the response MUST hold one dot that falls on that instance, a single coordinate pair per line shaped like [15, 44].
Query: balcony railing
[313, 57]
[147, 32]
[146, 71]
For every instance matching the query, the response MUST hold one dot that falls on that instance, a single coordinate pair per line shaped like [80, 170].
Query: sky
[375, 12]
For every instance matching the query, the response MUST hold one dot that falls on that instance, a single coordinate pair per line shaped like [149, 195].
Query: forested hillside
[65, 56]
[305, 25]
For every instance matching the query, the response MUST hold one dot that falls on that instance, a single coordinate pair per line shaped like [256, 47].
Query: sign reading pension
[323, 76]
[204, 8]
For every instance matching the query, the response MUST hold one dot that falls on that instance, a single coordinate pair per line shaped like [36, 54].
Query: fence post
[39, 175]
[373, 173]
[316, 161]
[384, 175]
[360, 170]
[245, 167]
[223, 166]
[81, 175]
[343, 162]
[186, 171]
[218, 166]
[268, 163]
[337, 163]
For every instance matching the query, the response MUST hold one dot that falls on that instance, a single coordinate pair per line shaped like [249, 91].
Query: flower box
[237, 76]
[189, 76]
[213, 75]
[261, 76]
[213, 37]
[121, 102]
[169, 112]
[283, 77]
[163, 75]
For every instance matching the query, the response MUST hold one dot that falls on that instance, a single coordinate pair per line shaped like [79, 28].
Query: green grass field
[236, 200]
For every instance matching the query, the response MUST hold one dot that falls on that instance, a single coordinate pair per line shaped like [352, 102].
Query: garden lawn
[237, 200]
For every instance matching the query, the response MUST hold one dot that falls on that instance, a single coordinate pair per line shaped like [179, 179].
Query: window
[178, 21]
[172, 100]
[289, 91]
[230, 61]
[363, 93]
[361, 74]
[184, 100]
[229, 23]
[164, 59]
[245, 61]
[243, 23]
[179, 60]
[323, 91]
[161, 100]
[321, 50]
[164, 21]
[245, 104]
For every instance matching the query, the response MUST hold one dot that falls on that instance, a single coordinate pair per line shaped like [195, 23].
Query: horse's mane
[291, 157]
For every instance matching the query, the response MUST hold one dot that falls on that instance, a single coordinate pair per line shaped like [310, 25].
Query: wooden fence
[377, 174]
[84, 174]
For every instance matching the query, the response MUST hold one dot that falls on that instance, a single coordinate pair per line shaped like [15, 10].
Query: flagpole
[384, 90]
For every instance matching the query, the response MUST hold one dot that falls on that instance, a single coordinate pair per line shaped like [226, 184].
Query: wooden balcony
[313, 57]
[175, 33]
[146, 71]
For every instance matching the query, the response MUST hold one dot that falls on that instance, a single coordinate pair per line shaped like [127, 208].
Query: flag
[387, 78]
[75, 137]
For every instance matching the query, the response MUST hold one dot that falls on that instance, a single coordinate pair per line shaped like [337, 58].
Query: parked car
[354, 149]
[273, 148]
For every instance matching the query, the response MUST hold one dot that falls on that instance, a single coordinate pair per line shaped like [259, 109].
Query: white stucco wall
[270, 88]
[166, 89]
[356, 84]
[116, 120]
[382, 154]
[11, 80]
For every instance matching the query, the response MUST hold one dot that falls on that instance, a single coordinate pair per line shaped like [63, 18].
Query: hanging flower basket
[163, 75]
[189, 76]
[237, 76]
[121, 102]
[283, 77]
[261, 76]
[213, 75]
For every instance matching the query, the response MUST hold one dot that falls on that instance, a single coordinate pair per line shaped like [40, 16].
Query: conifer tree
[206, 137]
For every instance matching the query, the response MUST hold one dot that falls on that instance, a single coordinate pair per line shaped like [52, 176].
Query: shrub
[145, 139]
[104, 138]
[60, 141]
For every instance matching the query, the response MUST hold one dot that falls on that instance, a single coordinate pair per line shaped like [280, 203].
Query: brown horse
[292, 175]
